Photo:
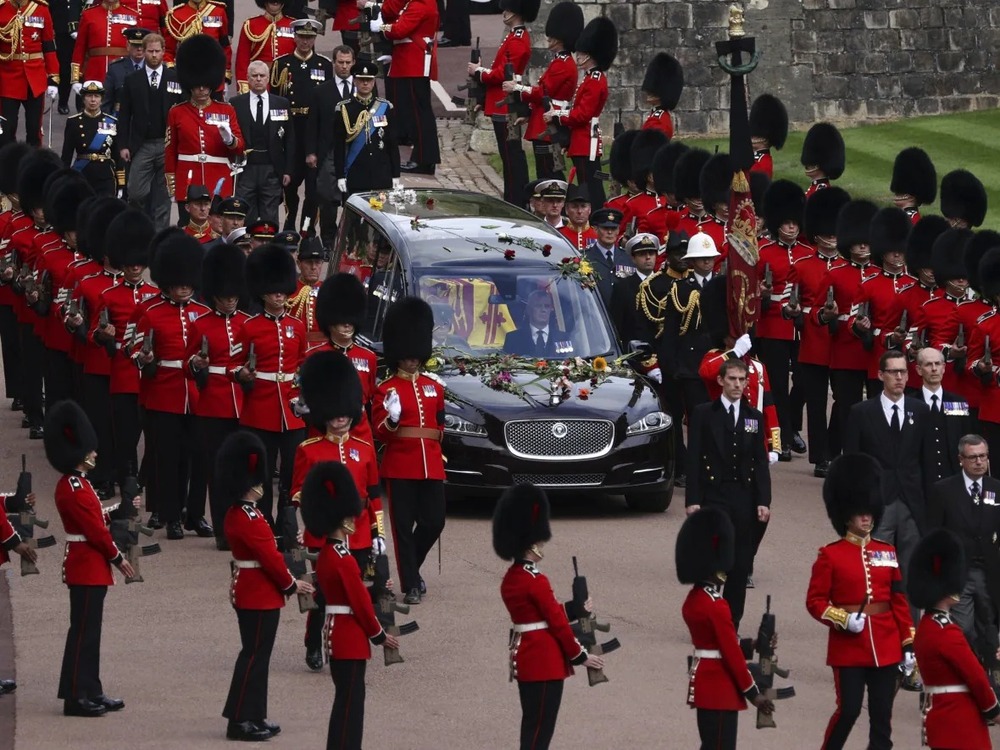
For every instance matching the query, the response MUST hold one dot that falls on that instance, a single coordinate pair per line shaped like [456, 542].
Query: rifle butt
[766, 721]
[596, 676]
[28, 568]
[392, 656]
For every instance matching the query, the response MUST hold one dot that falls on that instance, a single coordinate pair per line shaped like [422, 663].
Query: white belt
[527, 627]
[939, 689]
[876, 331]
[246, 563]
[174, 364]
[276, 377]
[707, 653]
[217, 370]
[807, 310]
[203, 158]
[338, 609]
[780, 297]
[843, 317]
[560, 103]
[75, 538]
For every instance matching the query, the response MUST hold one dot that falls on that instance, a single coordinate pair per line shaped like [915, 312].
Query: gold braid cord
[193, 26]
[10, 33]
[300, 304]
[361, 124]
[281, 81]
[651, 307]
[263, 36]
[688, 311]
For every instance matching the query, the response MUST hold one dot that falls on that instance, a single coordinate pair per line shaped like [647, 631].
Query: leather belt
[246, 564]
[528, 627]
[75, 538]
[707, 653]
[940, 689]
[107, 52]
[212, 370]
[276, 377]
[427, 433]
[95, 157]
[338, 609]
[203, 158]
[300, 110]
[872, 608]
[26, 56]
[173, 364]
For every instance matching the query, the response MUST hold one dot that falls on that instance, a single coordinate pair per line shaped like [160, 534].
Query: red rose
[576, 260]
[430, 204]
[509, 254]
[565, 260]
[546, 251]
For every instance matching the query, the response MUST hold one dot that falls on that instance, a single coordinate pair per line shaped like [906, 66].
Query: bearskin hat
[599, 39]
[948, 255]
[81, 219]
[69, 436]
[921, 239]
[178, 262]
[240, 465]
[913, 174]
[714, 181]
[822, 208]
[329, 497]
[769, 119]
[32, 174]
[63, 201]
[890, 227]
[126, 242]
[982, 242]
[10, 160]
[520, 519]
[223, 272]
[706, 545]
[663, 166]
[621, 157]
[644, 148]
[854, 224]
[853, 487]
[937, 569]
[526, 9]
[687, 174]
[665, 79]
[200, 61]
[262, 3]
[962, 197]
[565, 22]
[331, 388]
[342, 299]
[170, 233]
[989, 275]
[823, 147]
[98, 221]
[270, 270]
[408, 331]
[783, 201]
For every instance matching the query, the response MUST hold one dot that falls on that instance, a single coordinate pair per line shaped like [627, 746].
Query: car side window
[385, 286]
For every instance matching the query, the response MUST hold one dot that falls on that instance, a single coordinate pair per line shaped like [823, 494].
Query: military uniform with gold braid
[198, 17]
[364, 142]
[28, 67]
[91, 138]
[265, 38]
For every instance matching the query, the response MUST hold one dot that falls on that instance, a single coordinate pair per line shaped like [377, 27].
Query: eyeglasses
[896, 373]
[976, 457]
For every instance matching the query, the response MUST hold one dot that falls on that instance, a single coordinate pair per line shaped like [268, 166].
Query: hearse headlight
[655, 421]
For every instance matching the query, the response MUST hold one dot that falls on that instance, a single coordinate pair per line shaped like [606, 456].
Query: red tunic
[661, 221]
[846, 350]
[845, 573]
[820, 184]
[194, 153]
[422, 401]
[987, 325]
[263, 38]
[100, 39]
[121, 301]
[44, 241]
[28, 61]
[638, 206]
[910, 298]
[580, 240]
[152, 13]
[543, 654]
[716, 684]
[879, 292]
[192, 18]
[346, 12]
[55, 262]
[516, 50]
[584, 116]
[757, 392]
[953, 720]
[266, 585]
[339, 578]
[969, 312]
[170, 389]
[414, 38]
[660, 119]
[779, 258]
[221, 398]
[939, 317]
[22, 245]
[280, 346]
[90, 555]
[558, 82]
[763, 163]
[10, 221]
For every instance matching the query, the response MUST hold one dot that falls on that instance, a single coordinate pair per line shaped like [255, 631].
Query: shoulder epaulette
[908, 286]
[363, 442]
[310, 441]
[251, 511]
[595, 73]
[339, 106]
[75, 483]
[78, 114]
[324, 57]
[986, 316]
[531, 569]
[712, 591]
[941, 619]
[518, 33]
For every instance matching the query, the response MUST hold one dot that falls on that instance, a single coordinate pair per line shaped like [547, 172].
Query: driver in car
[539, 336]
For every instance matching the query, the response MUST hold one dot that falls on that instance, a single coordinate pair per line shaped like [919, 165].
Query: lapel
[718, 423]
[880, 425]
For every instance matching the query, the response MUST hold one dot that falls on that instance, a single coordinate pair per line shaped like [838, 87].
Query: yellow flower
[600, 364]
[431, 364]
[375, 203]
[585, 268]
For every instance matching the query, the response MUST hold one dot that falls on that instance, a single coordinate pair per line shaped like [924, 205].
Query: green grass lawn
[969, 140]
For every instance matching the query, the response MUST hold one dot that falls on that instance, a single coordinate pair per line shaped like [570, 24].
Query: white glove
[342, 184]
[226, 132]
[772, 457]
[73, 35]
[53, 92]
[393, 406]
[375, 25]
[76, 88]
[396, 183]
[742, 345]
[909, 662]
[655, 374]
[378, 545]
[856, 622]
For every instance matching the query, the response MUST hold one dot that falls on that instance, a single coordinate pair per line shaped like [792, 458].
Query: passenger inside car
[539, 334]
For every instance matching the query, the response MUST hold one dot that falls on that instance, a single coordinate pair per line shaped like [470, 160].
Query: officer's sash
[361, 141]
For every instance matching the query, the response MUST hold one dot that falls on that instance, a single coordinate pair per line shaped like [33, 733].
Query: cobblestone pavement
[460, 167]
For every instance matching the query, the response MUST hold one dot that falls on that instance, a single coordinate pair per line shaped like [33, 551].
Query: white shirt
[702, 280]
[887, 405]
[534, 334]
[340, 84]
[726, 403]
[560, 225]
[253, 104]
[969, 481]
[927, 392]
[159, 74]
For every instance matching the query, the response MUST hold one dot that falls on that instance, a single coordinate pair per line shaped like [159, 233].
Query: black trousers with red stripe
[347, 717]
[545, 163]
[515, 163]
[586, 174]
[210, 432]
[247, 699]
[81, 665]
[97, 405]
[717, 729]
[417, 514]
[539, 711]
[850, 684]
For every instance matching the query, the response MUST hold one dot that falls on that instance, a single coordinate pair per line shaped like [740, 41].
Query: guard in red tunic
[687, 189]
[987, 368]
[152, 14]
[10, 543]
[719, 683]
[823, 156]
[664, 220]
[543, 649]
[29, 69]
[273, 345]
[620, 167]
[71, 447]
[220, 400]
[596, 49]
[302, 304]
[198, 18]
[265, 37]
[960, 704]
[644, 149]
[856, 590]
[963, 199]
[408, 415]
[975, 305]
[577, 228]
[768, 129]
[332, 394]
[100, 40]
[662, 85]
[914, 181]
[330, 503]
[11, 156]
[261, 583]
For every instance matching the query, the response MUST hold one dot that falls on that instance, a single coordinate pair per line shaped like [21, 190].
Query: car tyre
[650, 502]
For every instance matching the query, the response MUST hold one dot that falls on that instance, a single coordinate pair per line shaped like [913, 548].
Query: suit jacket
[903, 474]
[280, 133]
[608, 273]
[521, 341]
[134, 105]
[624, 313]
[716, 456]
[944, 431]
[114, 79]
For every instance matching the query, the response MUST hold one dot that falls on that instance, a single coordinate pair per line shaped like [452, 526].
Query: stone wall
[842, 60]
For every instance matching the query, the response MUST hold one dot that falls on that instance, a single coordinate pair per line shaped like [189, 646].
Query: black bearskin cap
[822, 208]
[408, 331]
[962, 197]
[342, 299]
[920, 241]
[81, 220]
[127, 240]
[853, 487]
[714, 181]
[599, 39]
[565, 22]
[329, 497]
[32, 174]
[783, 201]
[270, 270]
[10, 160]
[526, 9]
[705, 546]
[223, 273]
[687, 173]
[621, 157]
[69, 436]
[823, 147]
[854, 224]
[664, 78]
[200, 61]
[262, 3]
[913, 174]
[520, 519]
[178, 262]
[890, 228]
[169, 233]
[769, 119]
[664, 162]
[240, 465]
[981, 243]
[63, 201]
[937, 569]
[330, 388]
[948, 255]
[759, 184]
[644, 148]
[98, 221]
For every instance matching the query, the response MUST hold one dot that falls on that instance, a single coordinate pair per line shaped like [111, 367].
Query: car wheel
[650, 502]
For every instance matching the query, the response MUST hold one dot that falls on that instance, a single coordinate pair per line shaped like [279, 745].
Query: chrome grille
[560, 480]
[559, 439]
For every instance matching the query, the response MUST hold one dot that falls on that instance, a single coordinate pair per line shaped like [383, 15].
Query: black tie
[260, 110]
[611, 257]
[152, 80]
[974, 492]
[934, 404]
[137, 66]
[894, 422]
[540, 342]
[732, 415]
[345, 88]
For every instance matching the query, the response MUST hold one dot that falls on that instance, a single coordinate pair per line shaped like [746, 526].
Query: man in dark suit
[642, 249]
[950, 418]
[611, 263]
[967, 504]
[146, 97]
[264, 119]
[728, 467]
[539, 336]
[119, 70]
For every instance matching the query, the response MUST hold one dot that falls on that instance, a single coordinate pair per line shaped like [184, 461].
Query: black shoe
[246, 731]
[413, 597]
[423, 588]
[785, 456]
[412, 167]
[314, 659]
[680, 481]
[64, 109]
[174, 530]
[154, 521]
[750, 584]
[221, 544]
[270, 726]
[7, 686]
[112, 704]
[16, 405]
[798, 444]
[83, 707]
[201, 528]
[821, 469]
[36, 433]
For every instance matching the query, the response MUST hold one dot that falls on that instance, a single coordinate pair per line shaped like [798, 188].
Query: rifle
[102, 321]
[987, 359]
[619, 126]
[474, 90]
[295, 555]
[867, 338]
[765, 299]
[7, 262]
[767, 665]
[586, 627]
[904, 326]
[386, 608]
[366, 43]
[959, 362]
[126, 527]
[148, 371]
[795, 300]
[201, 376]
[558, 136]
[22, 517]
[251, 365]
[44, 289]
[515, 109]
